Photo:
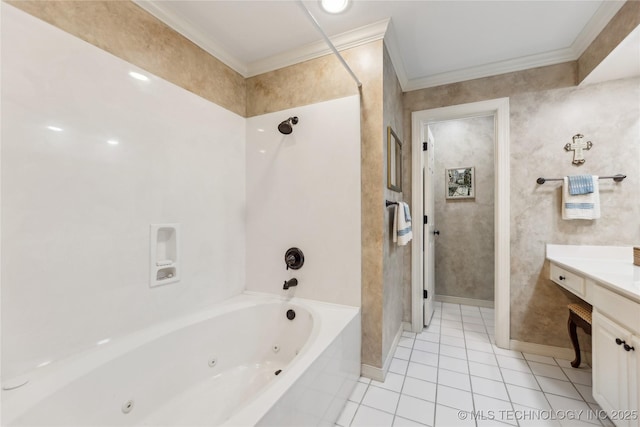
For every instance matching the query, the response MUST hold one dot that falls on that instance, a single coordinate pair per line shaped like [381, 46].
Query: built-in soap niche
[164, 249]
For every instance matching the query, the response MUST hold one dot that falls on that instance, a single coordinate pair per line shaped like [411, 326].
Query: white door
[428, 228]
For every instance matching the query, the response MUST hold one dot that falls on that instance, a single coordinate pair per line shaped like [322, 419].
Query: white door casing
[499, 108]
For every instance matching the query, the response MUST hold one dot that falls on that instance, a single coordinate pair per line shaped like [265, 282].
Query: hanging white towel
[581, 206]
[402, 224]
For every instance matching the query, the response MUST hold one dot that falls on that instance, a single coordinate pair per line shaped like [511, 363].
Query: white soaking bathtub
[215, 367]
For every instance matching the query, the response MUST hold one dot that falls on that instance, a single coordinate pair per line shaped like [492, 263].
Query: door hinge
[424, 146]
[424, 293]
[426, 220]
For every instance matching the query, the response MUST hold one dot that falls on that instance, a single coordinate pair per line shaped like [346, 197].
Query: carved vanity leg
[574, 339]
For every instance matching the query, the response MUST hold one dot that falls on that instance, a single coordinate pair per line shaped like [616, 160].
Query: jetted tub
[240, 363]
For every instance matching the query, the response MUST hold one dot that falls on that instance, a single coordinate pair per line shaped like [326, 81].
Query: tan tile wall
[128, 32]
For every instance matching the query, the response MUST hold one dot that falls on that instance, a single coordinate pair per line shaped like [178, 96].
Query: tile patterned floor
[452, 375]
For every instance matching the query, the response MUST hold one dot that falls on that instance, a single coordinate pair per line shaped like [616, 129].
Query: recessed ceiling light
[113, 142]
[54, 128]
[334, 6]
[138, 76]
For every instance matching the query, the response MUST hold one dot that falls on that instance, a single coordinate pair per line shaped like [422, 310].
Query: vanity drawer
[572, 282]
[621, 309]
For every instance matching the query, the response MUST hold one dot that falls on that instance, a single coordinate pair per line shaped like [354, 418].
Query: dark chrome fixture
[286, 127]
[617, 178]
[290, 283]
[291, 314]
[294, 258]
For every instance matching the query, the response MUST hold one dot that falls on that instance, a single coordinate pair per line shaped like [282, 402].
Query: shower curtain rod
[328, 41]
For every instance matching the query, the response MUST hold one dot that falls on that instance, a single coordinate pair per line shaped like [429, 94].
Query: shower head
[286, 127]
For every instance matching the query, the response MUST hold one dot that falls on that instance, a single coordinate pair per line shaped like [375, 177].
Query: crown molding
[346, 40]
[384, 30]
[596, 24]
[391, 41]
[594, 27]
[186, 29]
[488, 70]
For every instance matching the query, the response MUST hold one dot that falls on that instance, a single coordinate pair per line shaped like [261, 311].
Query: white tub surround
[216, 366]
[303, 190]
[91, 157]
[605, 277]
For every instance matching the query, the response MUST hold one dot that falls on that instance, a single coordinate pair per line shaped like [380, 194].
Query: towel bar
[388, 203]
[617, 178]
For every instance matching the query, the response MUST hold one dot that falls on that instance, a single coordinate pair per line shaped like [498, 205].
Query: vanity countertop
[611, 266]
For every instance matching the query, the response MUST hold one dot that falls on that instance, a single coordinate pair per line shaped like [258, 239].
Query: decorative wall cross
[577, 146]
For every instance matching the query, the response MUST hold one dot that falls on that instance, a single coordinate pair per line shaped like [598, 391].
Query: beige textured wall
[465, 247]
[608, 114]
[128, 32]
[393, 256]
[625, 21]
[504, 85]
[541, 122]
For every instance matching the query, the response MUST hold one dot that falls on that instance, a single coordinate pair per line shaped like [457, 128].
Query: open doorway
[424, 176]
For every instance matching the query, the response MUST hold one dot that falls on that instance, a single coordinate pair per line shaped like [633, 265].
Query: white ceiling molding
[596, 24]
[487, 70]
[346, 40]
[342, 41]
[187, 30]
[384, 29]
[391, 41]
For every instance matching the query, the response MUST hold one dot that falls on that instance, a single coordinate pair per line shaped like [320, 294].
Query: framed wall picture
[394, 161]
[460, 183]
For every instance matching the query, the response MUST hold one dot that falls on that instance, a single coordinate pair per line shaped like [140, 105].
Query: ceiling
[430, 42]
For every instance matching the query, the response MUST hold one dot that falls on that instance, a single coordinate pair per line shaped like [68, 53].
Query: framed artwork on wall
[460, 183]
[394, 161]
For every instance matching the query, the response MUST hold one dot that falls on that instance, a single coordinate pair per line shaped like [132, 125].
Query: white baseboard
[464, 301]
[379, 374]
[372, 372]
[549, 350]
[406, 326]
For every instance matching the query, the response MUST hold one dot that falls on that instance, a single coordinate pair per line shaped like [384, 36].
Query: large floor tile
[370, 417]
[415, 409]
[382, 399]
[490, 388]
[454, 398]
[421, 389]
[422, 372]
[454, 379]
[561, 388]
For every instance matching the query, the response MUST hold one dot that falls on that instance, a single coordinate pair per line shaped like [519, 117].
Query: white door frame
[500, 109]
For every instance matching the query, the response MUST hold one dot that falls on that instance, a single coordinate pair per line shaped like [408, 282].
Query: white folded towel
[580, 206]
[402, 224]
